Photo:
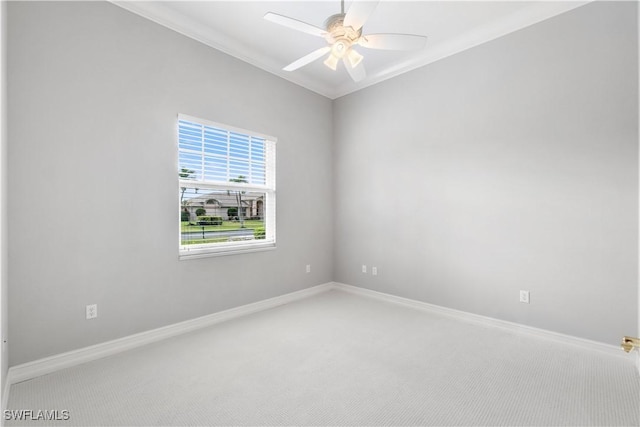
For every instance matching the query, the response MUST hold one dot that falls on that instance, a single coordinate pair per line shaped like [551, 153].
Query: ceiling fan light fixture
[339, 49]
[331, 62]
[354, 57]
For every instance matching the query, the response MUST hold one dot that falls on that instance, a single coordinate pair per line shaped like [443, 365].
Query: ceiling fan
[342, 33]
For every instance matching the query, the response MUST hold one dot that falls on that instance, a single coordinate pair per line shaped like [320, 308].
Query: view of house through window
[226, 188]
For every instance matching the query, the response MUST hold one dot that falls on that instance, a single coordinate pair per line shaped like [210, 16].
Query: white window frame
[269, 203]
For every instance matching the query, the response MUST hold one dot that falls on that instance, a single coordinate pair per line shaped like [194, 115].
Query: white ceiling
[238, 28]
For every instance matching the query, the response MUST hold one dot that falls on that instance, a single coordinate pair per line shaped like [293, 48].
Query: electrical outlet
[524, 297]
[364, 268]
[308, 268]
[374, 271]
[92, 311]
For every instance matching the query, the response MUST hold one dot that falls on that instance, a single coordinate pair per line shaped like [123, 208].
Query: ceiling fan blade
[393, 41]
[357, 73]
[358, 13]
[307, 59]
[295, 24]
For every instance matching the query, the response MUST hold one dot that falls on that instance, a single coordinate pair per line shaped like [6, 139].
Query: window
[227, 193]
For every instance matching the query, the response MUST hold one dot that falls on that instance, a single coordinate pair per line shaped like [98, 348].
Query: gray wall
[510, 166]
[4, 284]
[93, 96]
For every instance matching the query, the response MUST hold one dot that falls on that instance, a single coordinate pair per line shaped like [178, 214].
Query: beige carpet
[342, 359]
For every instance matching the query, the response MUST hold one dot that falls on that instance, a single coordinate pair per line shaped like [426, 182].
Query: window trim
[269, 190]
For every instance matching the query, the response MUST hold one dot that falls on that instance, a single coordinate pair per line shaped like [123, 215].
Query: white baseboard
[57, 362]
[47, 365]
[487, 321]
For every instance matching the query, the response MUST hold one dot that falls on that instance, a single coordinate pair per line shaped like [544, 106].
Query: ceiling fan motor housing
[340, 37]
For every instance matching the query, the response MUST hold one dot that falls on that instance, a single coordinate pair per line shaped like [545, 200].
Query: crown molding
[157, 12]
[534, 14]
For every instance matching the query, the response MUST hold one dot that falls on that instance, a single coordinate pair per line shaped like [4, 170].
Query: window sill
[216, 252]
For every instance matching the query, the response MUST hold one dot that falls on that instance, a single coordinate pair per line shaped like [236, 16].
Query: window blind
[227, 188]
